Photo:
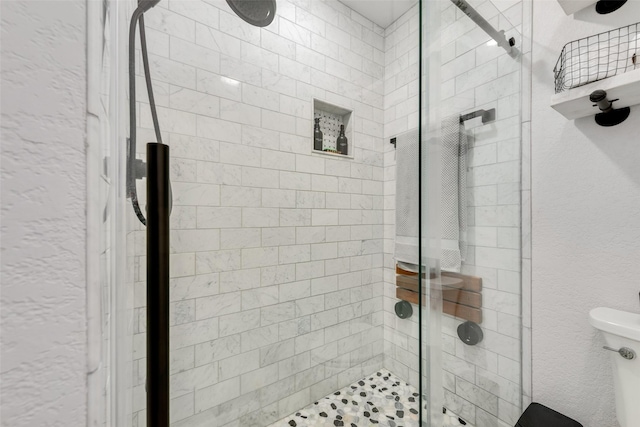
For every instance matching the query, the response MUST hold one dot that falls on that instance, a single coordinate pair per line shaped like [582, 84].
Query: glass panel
[479, 196]
[430, 223]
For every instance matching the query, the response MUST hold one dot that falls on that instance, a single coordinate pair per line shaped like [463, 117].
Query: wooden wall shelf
[572, 6]
[574, 103]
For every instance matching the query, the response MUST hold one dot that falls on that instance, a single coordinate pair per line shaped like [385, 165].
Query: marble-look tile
[275, 314]
[193, 286]
[218, 305]
[216, 394]
[170, 22]
[222, 130]
[239, 322]
[191, 147]
[239, 280]
[294, 254]
[305, 235]
[459, 406]
[503, 302]
[310, 270]
[187, 381]
[499, 386]
[238, 238]
[295, 290]
[261, 297]
[202, 12]
[194, 240]
[276, 275]
[215, 84]
[276, 352]
[239, 71]
[192, 333]
[259, 378]
[259, 337]
[257, 177]
[215, 40]
[194, 55]
[458, 367]
[181, 407]
[217, 261]
[182, 265]
[182, 312]
[195, 194]
[239, 364]
[234, 26]
[260, 217]
[259, 257]
[192, 101]
[240, 112]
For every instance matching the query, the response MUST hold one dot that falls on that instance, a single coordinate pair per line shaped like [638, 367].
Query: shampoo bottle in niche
[317, 136]
[341, 142]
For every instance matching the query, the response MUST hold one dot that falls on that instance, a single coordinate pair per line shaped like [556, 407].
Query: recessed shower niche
[331, 118]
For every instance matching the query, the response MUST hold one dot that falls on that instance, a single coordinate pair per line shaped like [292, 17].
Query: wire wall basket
[597, 57]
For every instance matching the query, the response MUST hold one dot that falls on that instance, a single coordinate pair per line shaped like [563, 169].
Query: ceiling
[382, 12]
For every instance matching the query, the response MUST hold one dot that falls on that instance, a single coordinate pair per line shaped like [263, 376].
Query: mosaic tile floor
[380, 399]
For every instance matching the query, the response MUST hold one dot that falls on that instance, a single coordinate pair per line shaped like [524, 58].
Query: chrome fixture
[625, 352]
[498, 36]
[256, 12]
[487, 115]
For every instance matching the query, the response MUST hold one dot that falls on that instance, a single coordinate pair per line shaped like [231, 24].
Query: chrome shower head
[256, 12]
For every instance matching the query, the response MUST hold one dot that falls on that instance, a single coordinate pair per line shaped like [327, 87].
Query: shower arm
[498, 36]
[487, 115]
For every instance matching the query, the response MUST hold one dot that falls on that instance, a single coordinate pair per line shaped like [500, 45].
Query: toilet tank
[621, 329]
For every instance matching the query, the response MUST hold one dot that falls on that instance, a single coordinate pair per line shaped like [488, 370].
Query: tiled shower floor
[380, 399]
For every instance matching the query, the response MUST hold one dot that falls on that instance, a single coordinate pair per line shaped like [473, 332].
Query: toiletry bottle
[341, 142]
[317, 136]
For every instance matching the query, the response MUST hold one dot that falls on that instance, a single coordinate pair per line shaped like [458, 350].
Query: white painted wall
[43, 214]
[586, 227]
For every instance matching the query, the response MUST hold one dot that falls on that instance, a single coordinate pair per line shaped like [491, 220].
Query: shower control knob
[403, 309]
[625, 352]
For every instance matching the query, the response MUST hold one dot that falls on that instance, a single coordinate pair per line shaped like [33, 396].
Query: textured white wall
[586, 227]
[43, 213]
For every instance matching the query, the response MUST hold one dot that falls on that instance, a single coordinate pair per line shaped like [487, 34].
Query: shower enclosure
[284, 266]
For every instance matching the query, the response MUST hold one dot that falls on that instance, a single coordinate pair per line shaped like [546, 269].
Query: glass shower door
[472, 334]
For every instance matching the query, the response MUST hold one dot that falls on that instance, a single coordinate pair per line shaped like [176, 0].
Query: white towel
[454, 198]
[454, 194]
[407, 226]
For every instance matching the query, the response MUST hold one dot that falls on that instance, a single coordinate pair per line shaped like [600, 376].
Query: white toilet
[621, 332]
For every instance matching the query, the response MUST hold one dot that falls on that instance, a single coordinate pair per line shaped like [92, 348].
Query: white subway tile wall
[276, 253]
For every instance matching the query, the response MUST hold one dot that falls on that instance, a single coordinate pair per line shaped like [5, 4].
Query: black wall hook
[609, 116]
